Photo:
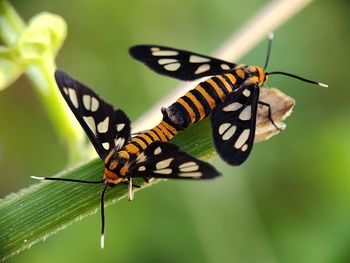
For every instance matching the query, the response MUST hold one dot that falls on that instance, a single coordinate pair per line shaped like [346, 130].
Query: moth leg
[269, 113]
[148, 179]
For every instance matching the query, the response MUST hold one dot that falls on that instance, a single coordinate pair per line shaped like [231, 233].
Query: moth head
[116, 167]
[262, 76]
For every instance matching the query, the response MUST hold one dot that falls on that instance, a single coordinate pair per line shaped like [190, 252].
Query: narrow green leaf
[45, 208]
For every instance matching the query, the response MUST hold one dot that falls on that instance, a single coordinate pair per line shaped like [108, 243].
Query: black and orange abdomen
[162, 132]
[199, 102]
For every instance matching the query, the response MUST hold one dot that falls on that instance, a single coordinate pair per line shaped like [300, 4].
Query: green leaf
[45, 208]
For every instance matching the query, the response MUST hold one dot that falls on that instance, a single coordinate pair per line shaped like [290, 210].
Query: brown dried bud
[281, 107]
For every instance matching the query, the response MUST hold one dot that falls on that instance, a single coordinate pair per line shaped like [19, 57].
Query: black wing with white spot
[233, 124]
[105, 127]
[166, 160]
[179, 64]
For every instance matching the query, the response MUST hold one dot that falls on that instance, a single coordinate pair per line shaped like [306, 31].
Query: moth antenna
[269, 46]
[102, 240]
[66, 180]
[298, 77]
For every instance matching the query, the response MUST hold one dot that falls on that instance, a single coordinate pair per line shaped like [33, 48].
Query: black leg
[148, 179]
[269, 113]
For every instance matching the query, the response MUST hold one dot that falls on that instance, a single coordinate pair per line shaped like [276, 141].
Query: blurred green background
[290, 202]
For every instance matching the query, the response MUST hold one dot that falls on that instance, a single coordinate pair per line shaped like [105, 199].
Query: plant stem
[41, 75]
[45, 208]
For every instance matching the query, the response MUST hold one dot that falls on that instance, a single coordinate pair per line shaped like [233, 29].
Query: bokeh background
[290, 202]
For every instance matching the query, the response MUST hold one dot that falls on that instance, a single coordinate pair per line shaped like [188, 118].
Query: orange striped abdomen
[162, 132]
[199, 102]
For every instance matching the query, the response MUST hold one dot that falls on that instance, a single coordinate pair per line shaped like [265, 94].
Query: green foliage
[45, 208]
[287, 203]
[32, 49]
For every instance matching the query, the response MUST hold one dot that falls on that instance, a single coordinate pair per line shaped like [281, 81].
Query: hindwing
[233, 124]
[166, 160]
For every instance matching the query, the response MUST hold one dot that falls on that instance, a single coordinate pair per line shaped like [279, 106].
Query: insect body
[109, 132]
[230, 96]
[148, 155]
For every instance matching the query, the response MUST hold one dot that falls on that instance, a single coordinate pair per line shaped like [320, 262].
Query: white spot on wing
[188, 167]
[223, 127]
[94, 104]
[229, 133]
[198, 59]
[194, 174]
[246, 92]
[157, 151]
[142, 168]
[120, 126]
[163, 61]
[102, 127]
[246, 113]
[91, 123]
[141, 158]
[242, 139]
[202, 68]
[244, 147]
[90, 103]
[227, 130]
[172, 67]
[232, 107]
[105, 145]
[164, 164]
[163, 171]
[165, 53]
[73, 97]
[225, 66]
[154, 49]
[119, 143]
[65, 90]
[87, 101]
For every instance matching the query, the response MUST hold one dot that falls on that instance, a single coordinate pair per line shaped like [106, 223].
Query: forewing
[233, 124]
[105, 127]
[179, 64]
[166, 160]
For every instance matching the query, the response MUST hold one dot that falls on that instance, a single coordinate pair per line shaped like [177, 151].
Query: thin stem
[41, 75]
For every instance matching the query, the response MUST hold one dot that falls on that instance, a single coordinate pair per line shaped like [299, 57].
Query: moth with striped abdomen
[230, 96]
[148, 155]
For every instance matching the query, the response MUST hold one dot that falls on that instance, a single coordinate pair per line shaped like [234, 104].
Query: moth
[230, 96]
[148, 155]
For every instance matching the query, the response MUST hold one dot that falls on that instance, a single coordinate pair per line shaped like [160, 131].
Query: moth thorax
[117, 161]
[123, 155]
[261, 75]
